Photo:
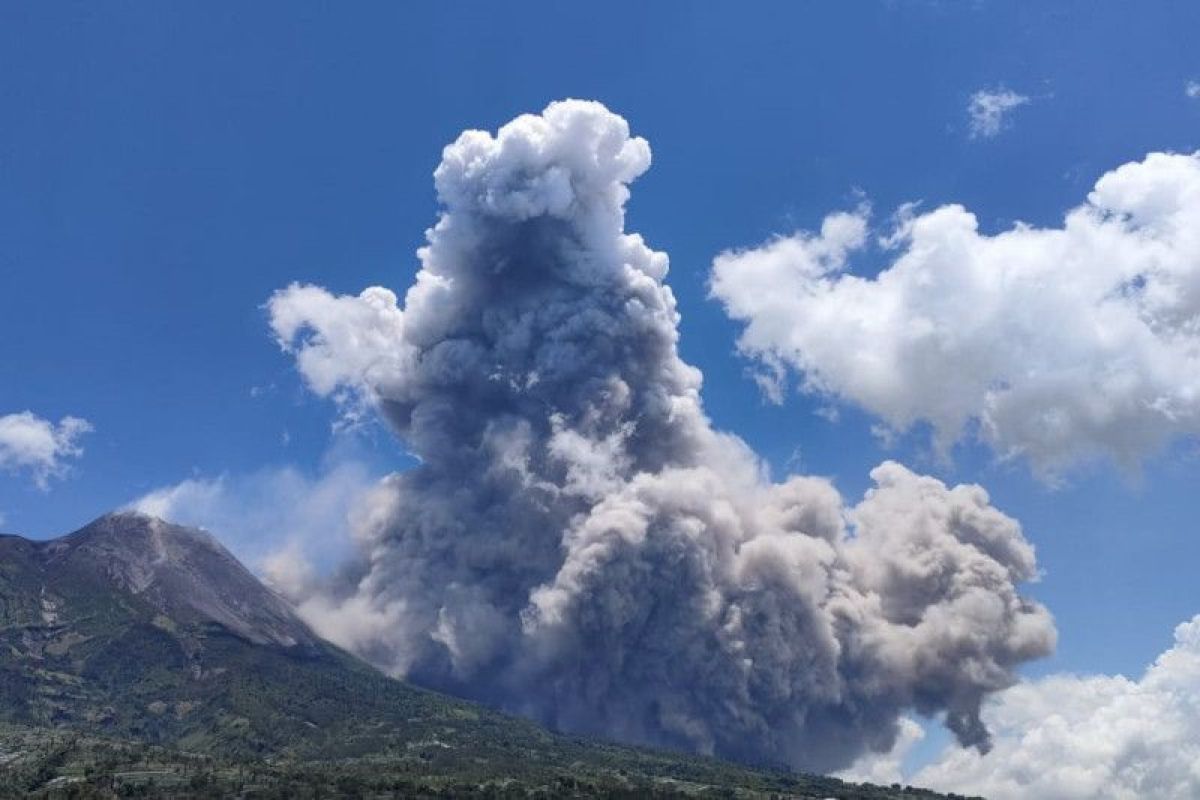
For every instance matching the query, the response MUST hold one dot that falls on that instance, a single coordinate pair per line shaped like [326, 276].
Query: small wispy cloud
[988, 109]
[31, 444]
[279, 520]
[1192, 89]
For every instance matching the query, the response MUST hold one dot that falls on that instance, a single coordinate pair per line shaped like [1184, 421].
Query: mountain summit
[133, 626]
[184, 573]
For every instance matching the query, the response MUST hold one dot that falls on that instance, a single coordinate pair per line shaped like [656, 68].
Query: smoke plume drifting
[580, 545]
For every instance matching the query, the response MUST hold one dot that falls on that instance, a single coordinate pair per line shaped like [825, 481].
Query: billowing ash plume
[578, 543]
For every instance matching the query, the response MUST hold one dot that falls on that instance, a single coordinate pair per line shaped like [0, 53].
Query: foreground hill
[139, 657]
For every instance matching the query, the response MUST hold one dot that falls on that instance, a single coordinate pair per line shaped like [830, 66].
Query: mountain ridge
[184, 570]
[132, 632]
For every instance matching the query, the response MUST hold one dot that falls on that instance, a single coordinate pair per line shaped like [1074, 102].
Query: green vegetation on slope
[44, 763]
[106, 691]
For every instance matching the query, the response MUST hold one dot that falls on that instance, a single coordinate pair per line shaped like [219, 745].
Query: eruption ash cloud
[578, 543]
[1063, 344]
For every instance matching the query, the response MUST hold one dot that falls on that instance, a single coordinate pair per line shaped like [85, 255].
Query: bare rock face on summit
[137, 628]
[184, 573]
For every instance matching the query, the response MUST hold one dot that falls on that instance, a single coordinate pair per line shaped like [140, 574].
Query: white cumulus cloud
[31, 444]
[1062, 344]
[1192, 89]
[988, 110]
[1070, 737]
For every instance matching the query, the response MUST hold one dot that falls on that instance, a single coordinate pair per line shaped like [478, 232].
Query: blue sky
[165, 167]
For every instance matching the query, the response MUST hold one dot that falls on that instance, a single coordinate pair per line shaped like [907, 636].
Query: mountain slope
[132, 632]
[134, 627]
[182, 572]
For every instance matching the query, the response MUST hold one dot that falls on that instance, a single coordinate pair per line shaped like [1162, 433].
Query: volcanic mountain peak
[183, 573]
